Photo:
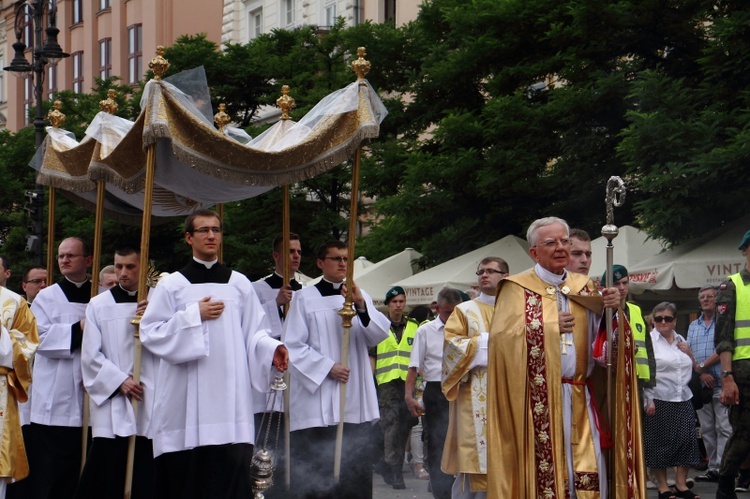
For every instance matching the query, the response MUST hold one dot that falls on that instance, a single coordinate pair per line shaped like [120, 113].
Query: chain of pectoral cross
[563, 344]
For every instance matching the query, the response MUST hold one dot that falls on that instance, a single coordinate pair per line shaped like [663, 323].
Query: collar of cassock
[549, 277]
[328, 288]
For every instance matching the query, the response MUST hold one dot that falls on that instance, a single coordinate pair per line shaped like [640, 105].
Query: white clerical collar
[130, 293]
[549, 277]
[77, 284]
[486, 299]
[336, 285]
[207, 264]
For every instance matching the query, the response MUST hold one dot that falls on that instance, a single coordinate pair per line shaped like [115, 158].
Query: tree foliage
[499, 112]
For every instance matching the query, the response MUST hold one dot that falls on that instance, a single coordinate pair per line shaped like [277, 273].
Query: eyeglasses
[490, 271]
[552, 243]
[36, 281]
[707, 297]
[338, 259]
[69, 256]
[206, 230]
[666, 318]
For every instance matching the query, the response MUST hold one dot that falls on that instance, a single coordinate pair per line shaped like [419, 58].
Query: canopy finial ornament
[285, 102]
[361, 66]
[221, 118]
[109, 105]
[55, 116]
[159, 65]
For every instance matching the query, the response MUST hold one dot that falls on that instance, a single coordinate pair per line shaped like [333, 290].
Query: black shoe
[385, 471]
[709, 476]
[743, 481]
[398, 478]
[725, 489]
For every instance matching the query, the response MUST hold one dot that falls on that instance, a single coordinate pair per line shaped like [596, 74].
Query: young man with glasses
[713, 416]
[208, 328]
[541, 420]
[465, 383]
[313, 333]
[57, 391]
[34, 280]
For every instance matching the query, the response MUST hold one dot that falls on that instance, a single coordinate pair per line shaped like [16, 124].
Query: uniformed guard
[732, 342]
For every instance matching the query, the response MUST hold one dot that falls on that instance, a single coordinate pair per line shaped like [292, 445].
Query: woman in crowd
[669, 424]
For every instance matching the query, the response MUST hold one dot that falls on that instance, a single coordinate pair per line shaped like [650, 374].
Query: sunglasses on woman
[665, 318]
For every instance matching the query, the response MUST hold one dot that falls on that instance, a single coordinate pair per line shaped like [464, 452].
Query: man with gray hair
[427, 358]
[713, 416]
[544, 431]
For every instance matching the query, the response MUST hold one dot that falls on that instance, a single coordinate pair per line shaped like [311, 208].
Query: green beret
[464, 296]
[394, 292]
[618, 272]
[745, 241]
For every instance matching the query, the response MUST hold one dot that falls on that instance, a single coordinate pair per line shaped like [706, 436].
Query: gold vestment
[465, 449]
[526, 451]
[17, 318]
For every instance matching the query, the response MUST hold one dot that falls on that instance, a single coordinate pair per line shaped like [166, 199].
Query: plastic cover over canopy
[196, 165]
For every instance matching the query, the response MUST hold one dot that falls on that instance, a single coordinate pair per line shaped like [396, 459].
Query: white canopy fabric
[460, 273]
[631, 247]
[376, 279]
[703, 261]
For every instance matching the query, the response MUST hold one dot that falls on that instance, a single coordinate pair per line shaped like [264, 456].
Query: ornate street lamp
[30, 18]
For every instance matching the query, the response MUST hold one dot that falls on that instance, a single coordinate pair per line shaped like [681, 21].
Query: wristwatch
[724, 374]
[702, 365]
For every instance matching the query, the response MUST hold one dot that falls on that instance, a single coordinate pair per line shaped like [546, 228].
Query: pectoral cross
[565, 344]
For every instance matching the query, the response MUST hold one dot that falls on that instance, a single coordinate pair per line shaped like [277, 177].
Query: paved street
[417, 489]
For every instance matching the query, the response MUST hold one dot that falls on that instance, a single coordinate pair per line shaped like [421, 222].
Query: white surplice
[107, 354]
[208, 368]
[313, 334]
[57, 387]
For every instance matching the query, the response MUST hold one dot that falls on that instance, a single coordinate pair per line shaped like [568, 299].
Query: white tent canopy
[376, 278]
[703, 261]
[460, 273]
[631, 246]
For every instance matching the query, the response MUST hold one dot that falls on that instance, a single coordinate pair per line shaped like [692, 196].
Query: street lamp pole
[30, 17]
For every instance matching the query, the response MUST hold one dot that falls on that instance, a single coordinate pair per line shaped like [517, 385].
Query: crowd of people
[506, 394]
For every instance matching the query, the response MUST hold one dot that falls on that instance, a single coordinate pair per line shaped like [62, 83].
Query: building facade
[247, 19]
[104, 38]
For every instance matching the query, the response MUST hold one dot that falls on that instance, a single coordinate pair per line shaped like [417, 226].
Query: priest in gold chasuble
[545, 431]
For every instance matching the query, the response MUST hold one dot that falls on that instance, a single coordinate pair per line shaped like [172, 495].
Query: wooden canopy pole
[159, 65]
[361, 67]
[51, 201]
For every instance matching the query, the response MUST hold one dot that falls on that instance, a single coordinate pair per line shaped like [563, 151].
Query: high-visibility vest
[638, 327]
[393, 358]
[741, 319]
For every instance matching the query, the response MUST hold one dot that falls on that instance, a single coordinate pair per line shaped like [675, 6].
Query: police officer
[391, 368]
[732, 340]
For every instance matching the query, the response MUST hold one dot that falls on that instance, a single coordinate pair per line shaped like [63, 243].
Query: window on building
[390, 9]
[28, 98]
[2, 79]
[77, 11]
[104, 4]
[51, 80]
[289, 12]
[331, 14]
[255, 23]
[77, 60]
[135, 53]
[105, 58]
